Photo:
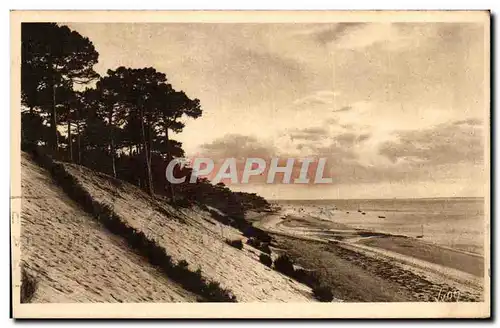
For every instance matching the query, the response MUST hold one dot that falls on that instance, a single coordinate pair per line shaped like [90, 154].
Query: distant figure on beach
[421, 235]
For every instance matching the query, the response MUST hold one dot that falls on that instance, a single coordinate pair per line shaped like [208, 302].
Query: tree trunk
[53, 123]
[113, 159]
[112, 142]
[78, 140]
[145, 148]
[31, 137]
[70, 141]
[53, 116]
[150, 142]
[170, 187]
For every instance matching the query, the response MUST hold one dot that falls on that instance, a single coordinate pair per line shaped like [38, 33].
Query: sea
[457, 223]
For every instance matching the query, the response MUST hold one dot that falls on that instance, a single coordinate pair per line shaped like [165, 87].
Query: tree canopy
[53, 59]
[121, 124]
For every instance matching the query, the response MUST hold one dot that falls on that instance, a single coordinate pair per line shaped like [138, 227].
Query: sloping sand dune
[74, 259]
[192, 235]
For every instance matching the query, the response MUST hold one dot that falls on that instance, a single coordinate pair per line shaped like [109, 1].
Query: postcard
[250, 164]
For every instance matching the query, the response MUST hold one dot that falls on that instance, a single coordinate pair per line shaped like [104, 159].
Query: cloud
[242, 147]
[470, 121]
[372, 78]
[309, 134]
[245, 76]
[314, 130]
[331, 121]
[343, 109]
[363, 35]
[349, 139]
[454, 142]
[415, 66]
[237, 146]
[335, 153]
[251, 59]
[446, 152]
[332, 34]
[321, 97]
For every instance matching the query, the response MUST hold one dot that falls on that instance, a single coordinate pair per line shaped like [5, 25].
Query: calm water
[452, 222]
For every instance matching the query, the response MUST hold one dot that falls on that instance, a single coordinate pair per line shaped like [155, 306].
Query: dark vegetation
[284, 264]
[323, 294]
[372, 234]
[265, 259]
[237, 243]
[28, 286]
[264, 247]
[191, 280]
[252, 201]
[231, 206]
[260, 245]
[121, 126]
[257, 233]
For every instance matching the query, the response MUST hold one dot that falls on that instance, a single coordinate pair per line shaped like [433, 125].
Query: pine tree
[173, 106]
[53, 59]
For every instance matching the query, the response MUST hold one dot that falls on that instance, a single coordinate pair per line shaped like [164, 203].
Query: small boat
[381, 217]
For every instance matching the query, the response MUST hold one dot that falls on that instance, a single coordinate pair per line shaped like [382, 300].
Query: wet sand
[470, 263]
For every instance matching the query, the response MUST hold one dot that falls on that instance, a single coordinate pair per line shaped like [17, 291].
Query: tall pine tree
[53, 59]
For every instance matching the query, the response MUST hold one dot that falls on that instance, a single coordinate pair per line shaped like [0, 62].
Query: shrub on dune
[28, 286]
[237, 243]
[253, 242]
[284, 265]
[307, 277]
[265, 259]
[183, 264]
[264, 247]
[323, 294]
[261, 246]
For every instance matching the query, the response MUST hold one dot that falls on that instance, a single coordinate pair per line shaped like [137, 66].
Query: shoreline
[414, 270]
[456, 223]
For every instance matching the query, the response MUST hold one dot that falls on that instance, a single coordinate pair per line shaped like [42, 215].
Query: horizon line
[393, 198]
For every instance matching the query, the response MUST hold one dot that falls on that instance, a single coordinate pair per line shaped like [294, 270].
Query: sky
[397, 109]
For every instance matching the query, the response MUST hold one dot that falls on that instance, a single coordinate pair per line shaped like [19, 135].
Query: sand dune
[192, 235]
[74, 259]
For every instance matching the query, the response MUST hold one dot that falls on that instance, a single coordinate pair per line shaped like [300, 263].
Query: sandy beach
[371, 266]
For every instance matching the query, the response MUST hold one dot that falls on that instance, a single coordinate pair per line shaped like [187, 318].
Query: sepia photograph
[222, 164]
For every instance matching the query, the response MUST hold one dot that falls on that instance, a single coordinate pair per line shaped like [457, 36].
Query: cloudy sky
[397, 109]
